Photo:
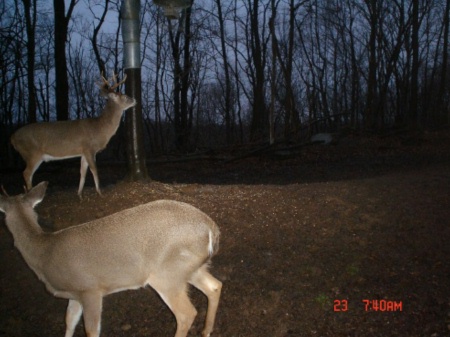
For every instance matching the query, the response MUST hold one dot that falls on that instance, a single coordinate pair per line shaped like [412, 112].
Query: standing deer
[83, 138]
[164, 244]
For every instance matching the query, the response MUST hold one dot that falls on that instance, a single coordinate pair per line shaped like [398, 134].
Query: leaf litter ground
[350, 239]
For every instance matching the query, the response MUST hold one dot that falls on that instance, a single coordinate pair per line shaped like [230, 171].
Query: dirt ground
[351, 239]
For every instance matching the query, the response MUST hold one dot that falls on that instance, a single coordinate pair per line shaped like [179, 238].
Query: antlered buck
[83, 138]
[164, 244]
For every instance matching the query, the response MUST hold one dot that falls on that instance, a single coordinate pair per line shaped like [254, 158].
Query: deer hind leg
[93, 167]
[32, 166]
[92, 313]
[211, 287]
[73, 314]
[83, 170]
[176, 298]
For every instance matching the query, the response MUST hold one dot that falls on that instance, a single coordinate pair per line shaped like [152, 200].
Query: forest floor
[351, 239]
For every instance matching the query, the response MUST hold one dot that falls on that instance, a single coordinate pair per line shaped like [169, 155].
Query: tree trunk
[443, 98]
[371, 103]
[182, 115]
[100, 62]
[229, 121]
[413, 109]
[30, 19]
[61, 78]
[186, 112]
[260, 118]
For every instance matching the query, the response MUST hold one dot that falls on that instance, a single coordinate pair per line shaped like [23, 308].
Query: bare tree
[413, 110]
[285, 60]
[62, 82]
[257, 45]
[30, 12]
[373, 8]
[181, 43]
[100, 62]
[444, 85]
[229, 120]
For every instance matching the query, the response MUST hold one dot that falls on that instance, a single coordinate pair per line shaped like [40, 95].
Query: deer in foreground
[83, 138]
[164, 244]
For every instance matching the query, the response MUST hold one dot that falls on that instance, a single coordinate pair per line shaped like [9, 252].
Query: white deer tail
[213, 244]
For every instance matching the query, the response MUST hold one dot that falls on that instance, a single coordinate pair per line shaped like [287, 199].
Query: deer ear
[37, 193]
[2, 203]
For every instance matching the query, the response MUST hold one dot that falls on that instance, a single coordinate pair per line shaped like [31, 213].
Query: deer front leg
[73, 314]
[83, 170]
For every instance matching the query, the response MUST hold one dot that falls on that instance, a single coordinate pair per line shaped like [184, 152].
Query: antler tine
[123, 80]
[116, 85]
[103, 83]
[105, 86]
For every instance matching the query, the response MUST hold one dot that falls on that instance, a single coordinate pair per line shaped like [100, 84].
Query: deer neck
[110, 118]
[29, 238]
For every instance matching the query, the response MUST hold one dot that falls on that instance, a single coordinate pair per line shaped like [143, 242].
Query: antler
[105, 85]
[114, 78]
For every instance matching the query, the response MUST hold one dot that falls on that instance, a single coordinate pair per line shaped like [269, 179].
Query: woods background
[230, 72]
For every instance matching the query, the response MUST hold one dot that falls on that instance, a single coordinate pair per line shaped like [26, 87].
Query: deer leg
[83, 170]
[178, 302]
[211, 287]
[92, 313]
[93, 167]
[32, 166]
[73, 314]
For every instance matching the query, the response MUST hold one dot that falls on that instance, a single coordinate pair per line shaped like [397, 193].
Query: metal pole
[137, 169]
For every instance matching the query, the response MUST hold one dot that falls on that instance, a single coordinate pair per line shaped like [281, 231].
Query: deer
[164, 244]
[48, 141]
